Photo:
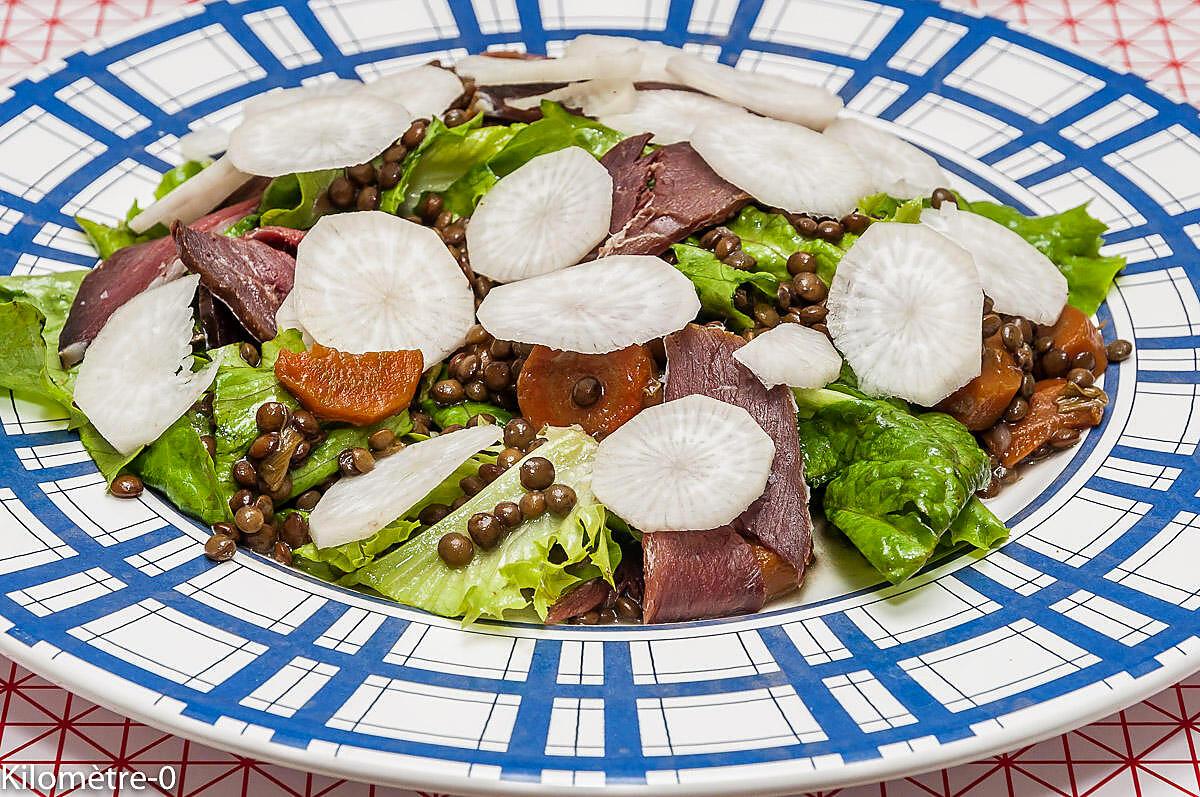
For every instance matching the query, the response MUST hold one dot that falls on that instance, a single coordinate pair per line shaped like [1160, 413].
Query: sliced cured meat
[700, 360]
[249, 276]
[581, 600]
[285, 239]
[496, 100]
[125, 274]
[661, 198]
[692, 575]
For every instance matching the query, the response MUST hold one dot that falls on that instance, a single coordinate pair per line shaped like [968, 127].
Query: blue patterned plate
[1090, 607]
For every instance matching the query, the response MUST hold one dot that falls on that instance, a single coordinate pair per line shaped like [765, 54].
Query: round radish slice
[488, 70]
[670, 114]
[320, 133]
[354, 509]
[896, 166]
[426, 91]
[595, 307]
[544, 216]
[691, 464]
[654, 54]
[279, 97]
[1020, 279]
[371, 281]
[137, 379]
[593, 97]
[904, 309]
[192, 198]
[808, 173]
[203, 143]
[791, 355]
[770, 95]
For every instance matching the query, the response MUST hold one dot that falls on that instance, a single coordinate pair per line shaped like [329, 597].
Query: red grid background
[1149, 750]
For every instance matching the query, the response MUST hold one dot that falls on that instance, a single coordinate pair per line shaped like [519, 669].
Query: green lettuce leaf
[296, 200]
[464, 193]
[885, 207]
[107, 239]
[349, 557]
[33, 310]
[1072, 240]
[443, 157]
[716, 283]
[240, 228]
[322, 462]
[894, 482]
[557, 129]
[977, 526]
[455, 414]
[178, 465]
[771, 239]
[520, 571]
[239, 389]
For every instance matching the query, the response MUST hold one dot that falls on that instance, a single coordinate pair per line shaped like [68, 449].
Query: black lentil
[127, 486]
[456, 549]
[532, 505]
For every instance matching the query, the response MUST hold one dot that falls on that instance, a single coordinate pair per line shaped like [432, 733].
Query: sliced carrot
[978, 404]
[1045, 417]
[359, 389]
[1075, 333]
[548, 381]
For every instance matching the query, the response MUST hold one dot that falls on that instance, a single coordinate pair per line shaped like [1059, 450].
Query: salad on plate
[593, 337]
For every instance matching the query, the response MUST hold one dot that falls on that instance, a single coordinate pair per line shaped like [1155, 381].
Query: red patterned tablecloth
[1149, 750]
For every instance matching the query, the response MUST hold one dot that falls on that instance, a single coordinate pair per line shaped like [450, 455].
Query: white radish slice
[691, 464]
[354, 509]
[904, 309]
[192, 198]
[426, 91]
[593, 97]
[280, 97]
[1019, 279]
[371, 281]
[770, 95]
[137, 379]
[490, 71]
[897, 167]
[594, 307]
[320, 133]
[782, 164]
[654, 54]
[544, 216]
[792, 355]
[670, 114]
[203, 143]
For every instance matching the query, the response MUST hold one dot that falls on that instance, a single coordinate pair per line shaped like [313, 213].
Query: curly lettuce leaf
[498, 581]
[894, 482]
[296, 200]
[444, 156]
[339, 561]
[106, 238]
[771, 239]
[178, 465]
[1072, 240]
[716, 283]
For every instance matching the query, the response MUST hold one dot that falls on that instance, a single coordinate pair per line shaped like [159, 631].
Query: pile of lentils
[800, 300]
[487, 529]
[1033, 349]
[484, 370]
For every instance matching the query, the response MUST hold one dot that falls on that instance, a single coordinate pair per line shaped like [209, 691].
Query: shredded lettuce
[521, 571]
[296, 200]
[771, 239]
[108, 238]
[1072, 240]
[716, 283]
[894, 483]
